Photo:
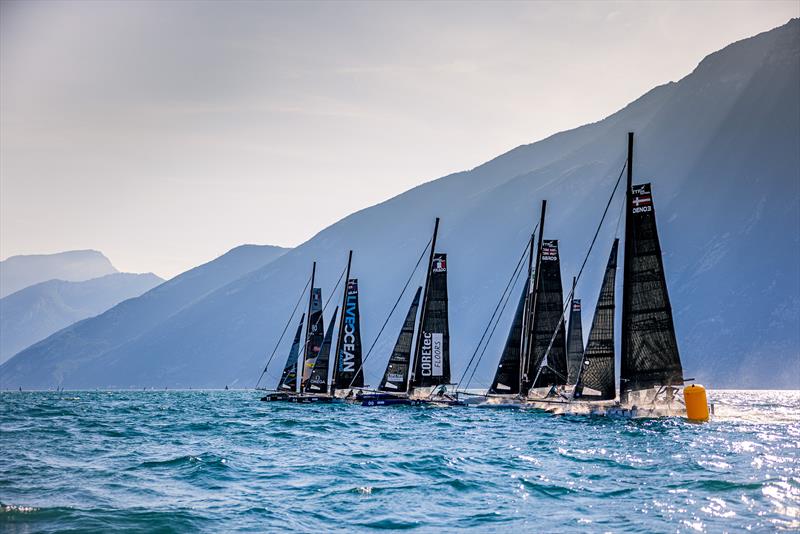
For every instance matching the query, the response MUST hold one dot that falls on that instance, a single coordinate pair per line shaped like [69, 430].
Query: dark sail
[506, 378]
[348, 372]
[318, 381]
[288, 379]
[396, 376]
[432, 360]
[650, 351]
[314, 335]
[574, 342]
[598, 358]
[547, 315]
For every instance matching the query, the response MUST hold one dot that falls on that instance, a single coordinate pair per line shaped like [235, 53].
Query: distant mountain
[82, 343]
[721, 149]
[33, 313]
[18, 272]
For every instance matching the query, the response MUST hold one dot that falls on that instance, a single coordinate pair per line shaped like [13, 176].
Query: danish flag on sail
[641, 196]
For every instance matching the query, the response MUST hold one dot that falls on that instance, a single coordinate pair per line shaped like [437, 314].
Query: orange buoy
[696, 402]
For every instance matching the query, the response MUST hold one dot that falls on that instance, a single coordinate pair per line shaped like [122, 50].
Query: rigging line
[508, 298]
[580, 272]
[269, 360]
[491, 319]
[399, 297]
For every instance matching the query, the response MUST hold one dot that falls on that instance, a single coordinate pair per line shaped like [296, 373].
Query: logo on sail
[439, 263]
[347, 359]
[550, 250]
[432, 354]
[641, 199]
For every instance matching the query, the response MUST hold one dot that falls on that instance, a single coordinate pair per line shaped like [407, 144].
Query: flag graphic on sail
[574, 342]
[596, 378]
[348, 372]
[396, 376]
[547, 310]
[649, 349]
[506, 378]
[432, 361]
[288, 379]
[318, 381]
[314, 335]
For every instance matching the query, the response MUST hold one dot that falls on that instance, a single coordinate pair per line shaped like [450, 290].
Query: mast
[627, 260]
[527, 338]
[308, 326]
[424, 300]
[340, 335]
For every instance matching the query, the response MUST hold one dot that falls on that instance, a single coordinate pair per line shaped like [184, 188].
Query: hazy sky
[164, 133]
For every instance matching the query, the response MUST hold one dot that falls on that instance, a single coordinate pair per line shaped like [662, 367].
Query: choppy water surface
[221, 461]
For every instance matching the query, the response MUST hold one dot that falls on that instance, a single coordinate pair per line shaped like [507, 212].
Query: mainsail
[432, 358]
[314, 334]
[574, 341]
[547, 320]
[649, 348]
[596, 379]
[318, 381]
[348, 372]
[506, 378]
[288, 379]
[396, 376]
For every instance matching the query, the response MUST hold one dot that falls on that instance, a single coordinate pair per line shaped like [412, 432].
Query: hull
[643, 404]
[298, 399]
[387, 399]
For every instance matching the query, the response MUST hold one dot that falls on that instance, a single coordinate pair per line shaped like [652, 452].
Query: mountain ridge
[719, 147]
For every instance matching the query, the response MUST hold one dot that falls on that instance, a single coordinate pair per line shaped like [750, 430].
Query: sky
[165, 133]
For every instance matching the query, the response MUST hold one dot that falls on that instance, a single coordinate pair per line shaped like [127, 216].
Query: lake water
[219, 461]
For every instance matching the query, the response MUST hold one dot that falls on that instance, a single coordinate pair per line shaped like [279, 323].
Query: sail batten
[395, 379]
[598, 371]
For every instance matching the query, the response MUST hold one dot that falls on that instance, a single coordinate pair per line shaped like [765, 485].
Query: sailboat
[429, 374]
[289, 388]
[651, 374]
[348, 372]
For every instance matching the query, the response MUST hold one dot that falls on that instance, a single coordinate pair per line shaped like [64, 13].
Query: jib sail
[548, 302]
[432, 358]
[574, 342]
[596, 378]
[318, 381]
[314, 335]
[348, 372]
[396, 376]
[288, 379]
[649, 348]
[506, 378]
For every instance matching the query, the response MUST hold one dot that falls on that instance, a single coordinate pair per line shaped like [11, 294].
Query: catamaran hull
[298, 399]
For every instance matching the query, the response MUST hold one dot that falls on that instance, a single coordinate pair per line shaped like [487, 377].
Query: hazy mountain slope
[82, 343]
[33, 313]
[18, 272]
[720, 147]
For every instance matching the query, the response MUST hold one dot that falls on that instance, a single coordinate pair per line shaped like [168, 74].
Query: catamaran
[429, 377]
[651, 374]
